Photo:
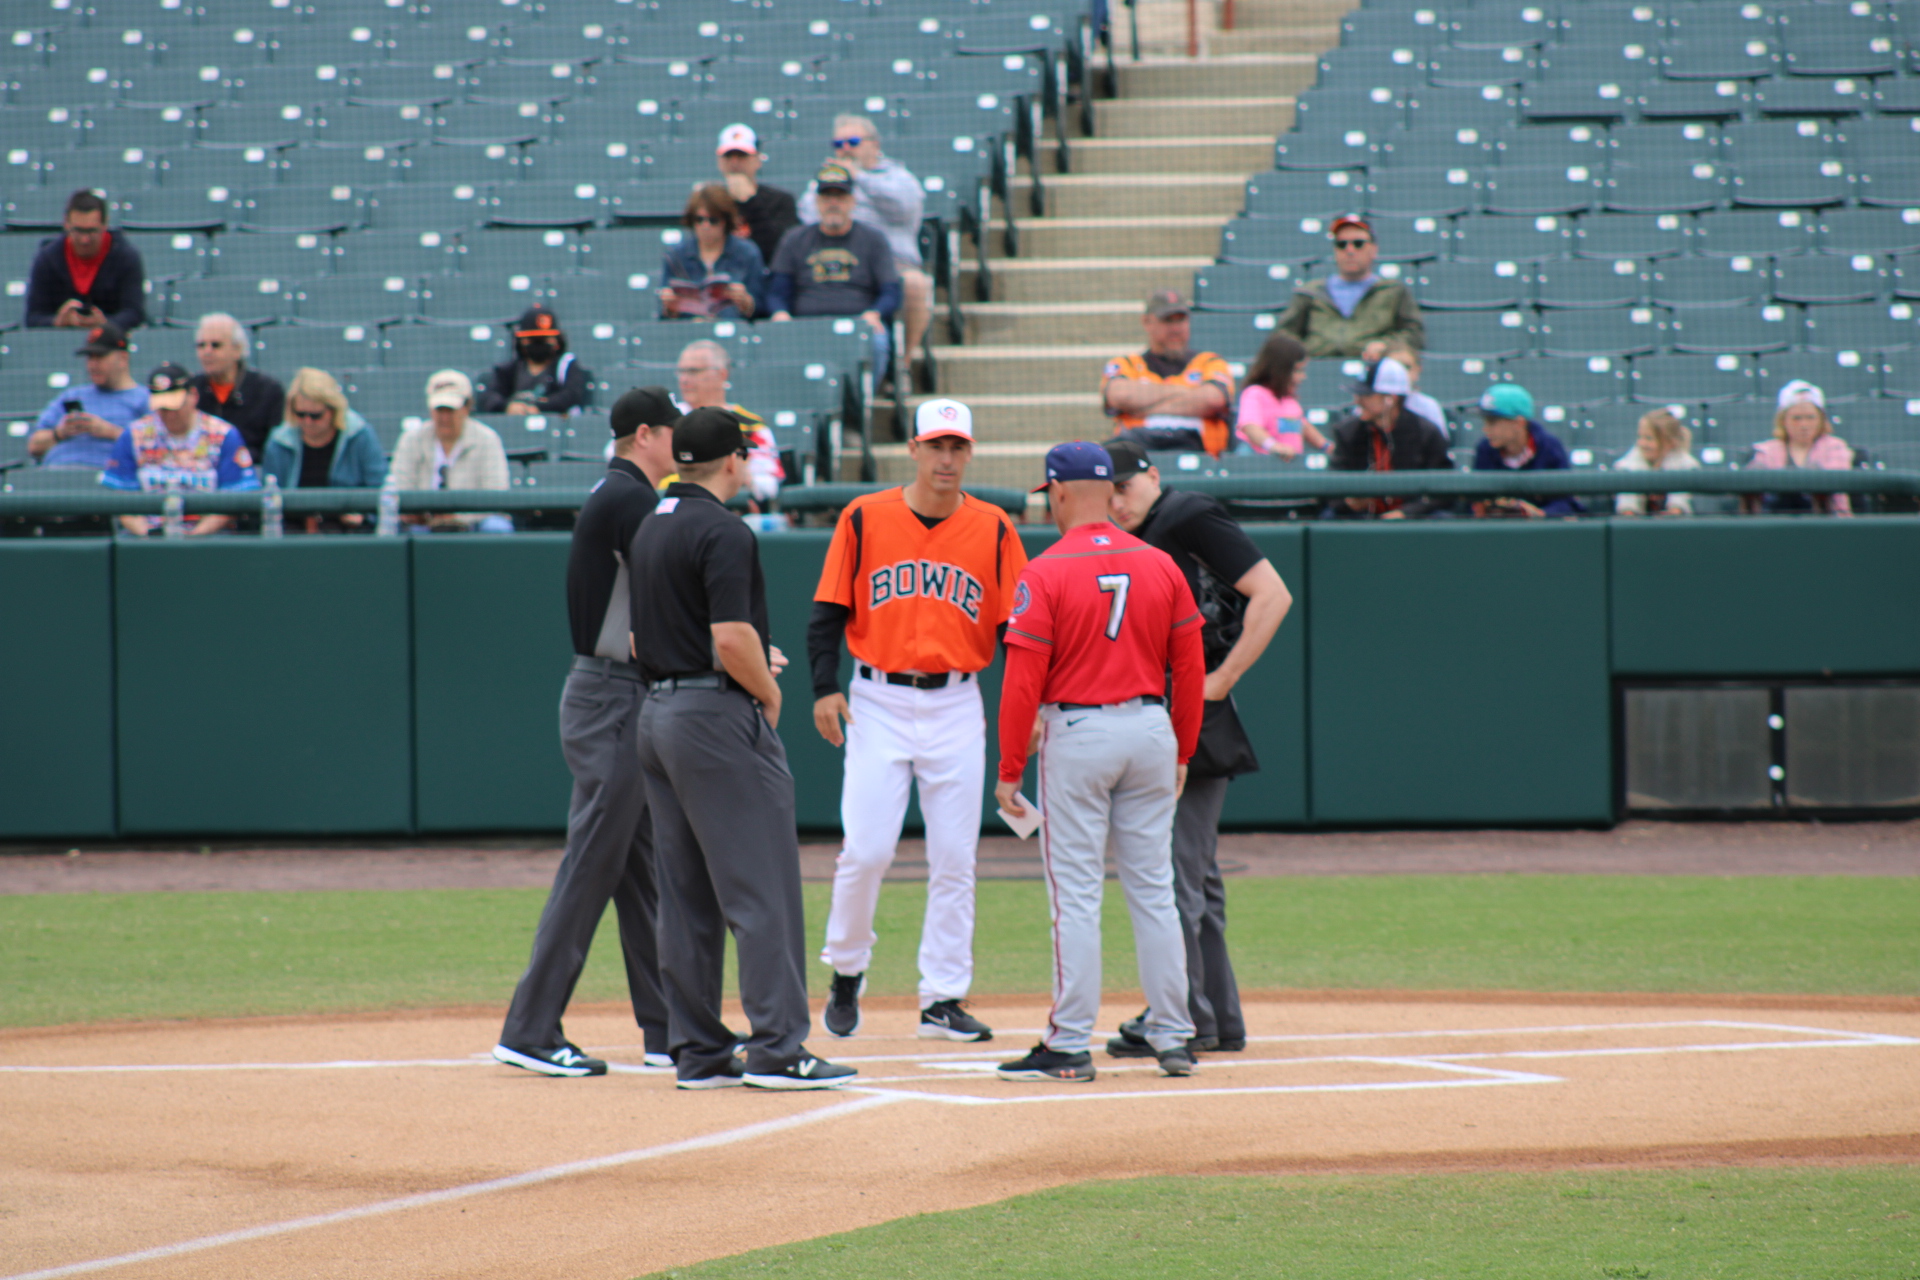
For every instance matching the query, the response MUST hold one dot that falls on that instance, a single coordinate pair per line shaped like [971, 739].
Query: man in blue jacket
[86, 276]
[1512, 441]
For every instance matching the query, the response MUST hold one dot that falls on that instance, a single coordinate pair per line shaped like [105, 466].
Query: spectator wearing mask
[888, 198]
[452, 452]
[79, 428]
[1169, 397]
[1802, 438]
[1382, 434]
[323, 444]
[178, 446]
[1511, 440]
[837, 267]
[1417, 400]
[1270, 418]
[542, 377]
[87, 275]
[1663, 444]
[703, 369]
[713, 273]
[1353, 312]
[228, 389]
[762, 212]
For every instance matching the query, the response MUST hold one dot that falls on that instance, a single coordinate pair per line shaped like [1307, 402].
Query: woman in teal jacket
[324, 444]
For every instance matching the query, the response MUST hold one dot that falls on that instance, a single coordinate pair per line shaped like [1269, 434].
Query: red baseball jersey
[1104, 606]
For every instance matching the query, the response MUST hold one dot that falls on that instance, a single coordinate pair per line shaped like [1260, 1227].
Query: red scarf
[1382, 461]
[83, 270]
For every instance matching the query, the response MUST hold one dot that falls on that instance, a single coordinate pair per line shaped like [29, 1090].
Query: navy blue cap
[1077, 460]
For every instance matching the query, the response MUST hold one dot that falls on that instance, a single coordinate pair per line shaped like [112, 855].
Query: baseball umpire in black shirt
[609, 831]
[717, 777]
[1242, 602]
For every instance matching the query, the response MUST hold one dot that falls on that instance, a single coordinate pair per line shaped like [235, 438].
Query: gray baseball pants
[1107, 785]
[609, 856]
[729, 859]
[1213, 995]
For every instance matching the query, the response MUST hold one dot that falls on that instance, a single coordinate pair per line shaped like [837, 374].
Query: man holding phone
[79, 427]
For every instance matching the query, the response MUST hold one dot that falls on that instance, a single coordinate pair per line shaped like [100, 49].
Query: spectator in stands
[178, 446]
[1417, 400]
[1382, 434]
[763, 212]
[888, 198]
[1353, 312]
[1802, 438]
[323, 444]
[86, 276]
[78, 429]
[703, 368]
[1270, 418]
[254, 403]
[1169, 397]
[452, 452]
[713, 273]
[837, 266]
[1664, 444]
[542, 377]
[1511, 440]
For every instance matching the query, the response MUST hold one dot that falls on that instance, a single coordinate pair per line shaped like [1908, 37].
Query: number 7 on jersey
[1117, 584]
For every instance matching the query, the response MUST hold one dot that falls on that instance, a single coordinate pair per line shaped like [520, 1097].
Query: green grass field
[75, 958]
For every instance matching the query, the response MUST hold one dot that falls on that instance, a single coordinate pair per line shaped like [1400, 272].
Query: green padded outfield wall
[56, 715]
[1738, 597]
[1272, 700]
[1459, 674]
[263, 686]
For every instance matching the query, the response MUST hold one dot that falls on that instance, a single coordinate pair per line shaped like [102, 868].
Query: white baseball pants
[1107, 783]
[900, 735]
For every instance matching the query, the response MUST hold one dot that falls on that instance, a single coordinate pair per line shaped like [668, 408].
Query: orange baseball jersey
[922, 599]
[1203, 368]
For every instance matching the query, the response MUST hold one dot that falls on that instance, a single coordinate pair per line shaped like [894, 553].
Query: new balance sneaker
[804, 1072]
[946, 1020]
[842, 1016]
[1177, 1061]
[728, 1075]
[1042, 1063]
[565, 1060]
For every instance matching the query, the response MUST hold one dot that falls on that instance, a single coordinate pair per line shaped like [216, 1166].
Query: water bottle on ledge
[272, 510]
[388, 523]
[173, 512]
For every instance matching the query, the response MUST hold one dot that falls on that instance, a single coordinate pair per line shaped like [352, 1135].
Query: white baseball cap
[449, 389]
[942, 417]
[1387, 377]
[1801, 392]
[738, 137]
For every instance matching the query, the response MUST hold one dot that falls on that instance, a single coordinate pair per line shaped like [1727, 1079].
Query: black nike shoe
[1042, 1063]
[842, 1016]
[946, 1020]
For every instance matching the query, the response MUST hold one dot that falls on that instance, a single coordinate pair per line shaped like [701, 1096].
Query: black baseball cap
[1129, 459]
[833, 177]
[167, 386]
[642, 407]
[707, 433]
[102, 339]
[537, 322]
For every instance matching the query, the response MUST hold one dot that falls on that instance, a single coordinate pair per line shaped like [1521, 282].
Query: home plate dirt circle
[392, 1145]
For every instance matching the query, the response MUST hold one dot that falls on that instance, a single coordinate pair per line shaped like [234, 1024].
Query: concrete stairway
[1141, 210]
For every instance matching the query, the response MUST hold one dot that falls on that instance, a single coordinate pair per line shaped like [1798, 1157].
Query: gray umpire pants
[1107, 785]
[609, 856]
[729, 859]
[1213, 995]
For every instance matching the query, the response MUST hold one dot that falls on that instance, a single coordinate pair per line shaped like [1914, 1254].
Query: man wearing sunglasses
[837, 266]
[228, 389]
[1353, 312]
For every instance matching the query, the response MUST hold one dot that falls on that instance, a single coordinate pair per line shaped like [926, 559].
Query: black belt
[1145, 699]
[607, 667]
[708, 680]
[940, 681]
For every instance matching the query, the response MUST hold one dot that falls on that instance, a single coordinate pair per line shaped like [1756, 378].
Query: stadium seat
[335, 348]
[50, 480]
[620, 299]
[361, 168]
[1353, 149]
[1406, 240]
[416, 207]
[573, 205]
[360, 127]
[1562, 147]
[1651, 146]
[1746, 330]
[1618, 331]
[39, 351]
[315, 210]
[1791, 98]
[28, 391]
[1533, 190]
[516, 82]
[1585, 102]
[175, 86]
[192, 168]
[473, 298]
[1901, 374]
[1794, 184]
[1231, 335]
[1702, 101]
[1451, 382]
[356, 299]
[1420, 193]
[1867, 144]
[385, 253]
[1716, 55]
[1487, 109]
[1710, 282]
[1493, 238]
[1863, 326]
[1896, 187]
[1664, 189]
[526, 437]
[1840, 55]
[235, 127]
[1372, 110]
[1905, 268]
[659, 202]
[602, 162]
[1591, 282]
[595, 338]
[1371, 64]
[1489, 335]
[1455, 66]
[1647, 236]
[1768, 141]
[295, 257]
[287, 83]
[1471, 286]
[1296, 196]
[1875, 424]
[1500, 25]
[396, 84]
[481, 124]
[433, 346]
[1265, 240]
[174, 209]
[1242, 287]
[1829, 278]
[502, 253]
[1751, 233]
[1598, 23]
[563, 477]
[1842, 376]
[1691, 378]
[1570, 383]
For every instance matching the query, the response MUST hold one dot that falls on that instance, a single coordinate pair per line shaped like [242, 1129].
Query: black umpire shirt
[695, 563]
[1214, 552]
[598, 594]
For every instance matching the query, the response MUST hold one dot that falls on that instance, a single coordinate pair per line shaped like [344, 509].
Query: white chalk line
[532, 1177]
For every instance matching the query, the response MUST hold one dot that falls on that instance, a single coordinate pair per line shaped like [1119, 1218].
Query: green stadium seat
[1754, 233]
[481, 124]
[1532, 191]
[1830, 278]
[202, 170]
[361, 168]
[1866, 145]
[1416, 193]
[1741, 330]
[1569, 383]
[433, 346]
[1593, 103]
[1900, 375]
[360, 127]
[503, 253]
[174, 209]
[50, 480]
[1489, 335]
[1841, 55]
[356, 300]
[563, 477]
[1471, 286]
[1791, 184]
[470, 299]
[1325, 150]
[1863, 326]
[296, 83]
[253, 300]
[608, 297]
[335, 348]
[25, 391]
[1889, 188]
[1231, 335]
[1691, 378]
[1593, 23]
[1905, 269]
[1620, 331]
[1685, 283]
[299, 256]
[270, 125]
[1500, 25]
[1664, 189]
[1242, 287]
[1372, 110]
[1556, 146]
[1841, 375]
[517, 82]
[1494, 238]
[1451, 66]
[1876, 424]
[1654, 146]
[1797, 99]
[526, 437]
[1647, 236]
[447, 208]
[1264, 240]
[1451, 382]
[1746, 55]
[602, 162]
[400, 84]
[1591, 282]
[40, 351]
[1294, 197]
[385, 253]
[315, 210]
[1704, 102]
[566, 205]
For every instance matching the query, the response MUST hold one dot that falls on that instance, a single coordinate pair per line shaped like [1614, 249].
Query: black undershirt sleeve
[826, 629]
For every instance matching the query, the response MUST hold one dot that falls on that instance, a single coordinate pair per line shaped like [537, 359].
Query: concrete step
[1256, 14]
[1046, 323]
[1241, 41]
[1242, 155]
[1093, 195]
[1045, 418]
[1197, 236]
[1027, 370]
[1084, 279]
[1270, 114]
[1244, 76]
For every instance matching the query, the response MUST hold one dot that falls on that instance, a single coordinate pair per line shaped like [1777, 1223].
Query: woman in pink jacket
[1802, 438]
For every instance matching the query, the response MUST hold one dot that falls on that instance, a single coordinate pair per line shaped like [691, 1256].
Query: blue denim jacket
[740, 262]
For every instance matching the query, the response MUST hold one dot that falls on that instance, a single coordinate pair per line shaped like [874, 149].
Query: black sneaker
[1231, 1044]
[1177, 1061]
[728, 1075]
[1042, 1063]
[566, 1060]
[842, 1016]
[946, 1020]
[1135, 1029]
[1204, 1044]
[804, 1072]
[1124, 1046]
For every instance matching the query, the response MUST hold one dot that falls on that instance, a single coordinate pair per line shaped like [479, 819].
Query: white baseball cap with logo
[449, 389]
[738, 137]
[942, 417]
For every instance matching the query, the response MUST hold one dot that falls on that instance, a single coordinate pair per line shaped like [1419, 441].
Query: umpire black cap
[707, 433]
[642, 407]
[1129, 459]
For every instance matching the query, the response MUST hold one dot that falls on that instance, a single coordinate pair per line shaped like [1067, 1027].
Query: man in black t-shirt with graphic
[837, 267]
[768, 211]
[1242, 603]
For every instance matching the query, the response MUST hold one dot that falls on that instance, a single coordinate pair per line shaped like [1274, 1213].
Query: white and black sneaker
[946, 1020]
[566, 1060]
[728, 1075]
[804, 1072]
[842, 1016]
[652, 1059]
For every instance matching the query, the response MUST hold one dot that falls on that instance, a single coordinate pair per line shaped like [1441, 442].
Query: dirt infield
[390, 1146]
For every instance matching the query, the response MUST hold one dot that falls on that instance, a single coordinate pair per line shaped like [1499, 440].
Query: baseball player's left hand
[1179, 780]
[1007, 794]
[828, 712]
[1218, 686]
